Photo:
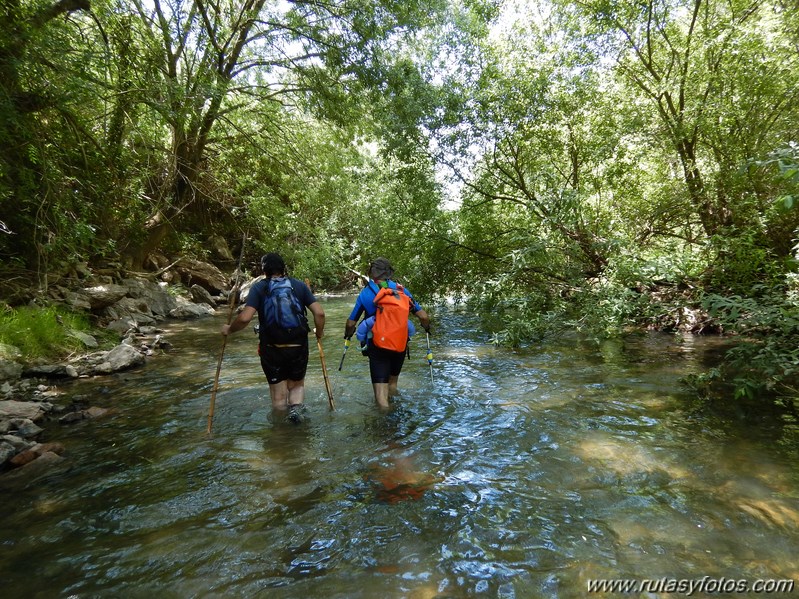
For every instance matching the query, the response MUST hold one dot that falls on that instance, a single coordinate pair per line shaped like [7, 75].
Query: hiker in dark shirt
[284, 352]
[384, 365]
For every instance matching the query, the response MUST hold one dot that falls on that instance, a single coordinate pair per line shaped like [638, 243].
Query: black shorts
[384, 363]
[284, 363]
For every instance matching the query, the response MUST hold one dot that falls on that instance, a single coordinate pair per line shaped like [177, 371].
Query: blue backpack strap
[375, 289]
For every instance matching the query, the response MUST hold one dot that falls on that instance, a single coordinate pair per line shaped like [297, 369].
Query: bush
[766, 360]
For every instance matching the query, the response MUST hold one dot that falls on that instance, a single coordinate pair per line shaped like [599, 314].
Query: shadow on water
[514, 474]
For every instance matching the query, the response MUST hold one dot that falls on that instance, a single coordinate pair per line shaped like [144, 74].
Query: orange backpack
[390, 330]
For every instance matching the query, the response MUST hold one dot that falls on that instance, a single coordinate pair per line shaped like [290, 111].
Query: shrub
[766, 359]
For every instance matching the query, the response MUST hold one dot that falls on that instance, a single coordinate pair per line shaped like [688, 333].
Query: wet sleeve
[363, 329]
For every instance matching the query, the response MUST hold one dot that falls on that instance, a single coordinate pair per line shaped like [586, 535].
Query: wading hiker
[280, 302]
[390, 304]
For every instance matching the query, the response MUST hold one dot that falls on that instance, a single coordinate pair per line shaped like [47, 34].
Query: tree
[151, 93]
[721, 83]
[549, 155]
[27, 31]
[218, 58]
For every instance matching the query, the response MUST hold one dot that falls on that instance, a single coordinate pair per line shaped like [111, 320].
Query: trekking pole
[346, 347]
[216, 384]
[234, 294]
[429, 357]
[324, 373]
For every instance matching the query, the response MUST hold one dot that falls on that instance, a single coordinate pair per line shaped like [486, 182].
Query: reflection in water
[515, 474]
[393, 472]
[397, 479]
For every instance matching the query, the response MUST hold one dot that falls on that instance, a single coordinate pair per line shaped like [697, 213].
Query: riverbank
[125, 315]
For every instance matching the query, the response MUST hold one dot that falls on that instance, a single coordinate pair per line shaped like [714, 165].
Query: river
[527, 473]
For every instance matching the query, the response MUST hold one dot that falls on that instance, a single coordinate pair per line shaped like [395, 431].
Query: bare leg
[280, 396]
[392, 385]
[381, 394]
[296, 392]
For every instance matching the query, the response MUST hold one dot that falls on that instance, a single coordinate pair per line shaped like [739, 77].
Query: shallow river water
[531, 473]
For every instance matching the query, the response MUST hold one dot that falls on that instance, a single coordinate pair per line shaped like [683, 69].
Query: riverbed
[503, 473]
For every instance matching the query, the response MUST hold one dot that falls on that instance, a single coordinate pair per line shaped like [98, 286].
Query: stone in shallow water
[32, 410]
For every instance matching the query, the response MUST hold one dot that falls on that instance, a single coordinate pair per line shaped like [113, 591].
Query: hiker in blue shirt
[384, 365]
[284, 352]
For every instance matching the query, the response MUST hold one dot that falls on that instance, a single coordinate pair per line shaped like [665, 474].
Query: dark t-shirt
[257, 295]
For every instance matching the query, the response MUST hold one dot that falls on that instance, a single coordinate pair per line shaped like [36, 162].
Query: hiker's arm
[318, 318]
[424, 319]
[242, 320]
[349, 328]
[352, 321]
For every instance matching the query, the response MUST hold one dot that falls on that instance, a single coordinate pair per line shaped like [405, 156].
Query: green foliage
[633, 294]
[522, 322]
[604, 159]
[608, 310]
[42, 332]
[669, 263]
[741, 261]
[188, 244]
[765, 360]
[786, 161]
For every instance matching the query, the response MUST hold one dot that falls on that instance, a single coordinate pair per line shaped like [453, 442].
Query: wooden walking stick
[234, 296]
[324, 373]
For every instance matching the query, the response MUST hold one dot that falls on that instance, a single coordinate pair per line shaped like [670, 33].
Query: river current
[509, 473]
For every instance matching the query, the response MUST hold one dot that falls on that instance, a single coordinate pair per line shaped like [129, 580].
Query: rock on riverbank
[132, 308]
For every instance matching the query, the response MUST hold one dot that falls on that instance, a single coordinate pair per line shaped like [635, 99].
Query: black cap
[273, 264]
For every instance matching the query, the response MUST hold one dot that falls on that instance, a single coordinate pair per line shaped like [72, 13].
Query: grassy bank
[31, 333]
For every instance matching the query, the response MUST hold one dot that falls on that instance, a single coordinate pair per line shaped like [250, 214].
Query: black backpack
[284, 316]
